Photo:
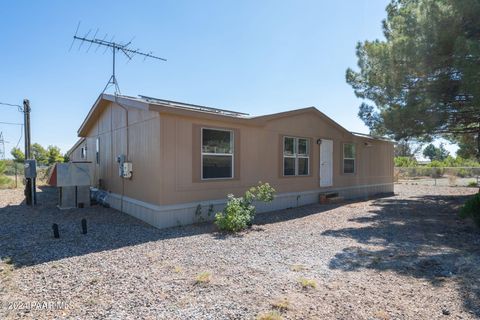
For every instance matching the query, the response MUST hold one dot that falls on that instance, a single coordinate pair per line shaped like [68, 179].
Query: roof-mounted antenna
[115, 46]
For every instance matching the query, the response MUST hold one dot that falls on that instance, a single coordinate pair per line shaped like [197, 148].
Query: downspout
[127, 146]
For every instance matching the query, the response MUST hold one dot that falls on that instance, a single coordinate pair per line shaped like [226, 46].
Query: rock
[445, 312]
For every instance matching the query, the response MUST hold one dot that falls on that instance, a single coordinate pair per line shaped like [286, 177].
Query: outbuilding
[162, 160]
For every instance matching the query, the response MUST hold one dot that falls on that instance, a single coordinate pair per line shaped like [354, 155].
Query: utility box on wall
[124, 167]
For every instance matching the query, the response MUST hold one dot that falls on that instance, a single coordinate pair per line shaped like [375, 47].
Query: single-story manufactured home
[158, 160]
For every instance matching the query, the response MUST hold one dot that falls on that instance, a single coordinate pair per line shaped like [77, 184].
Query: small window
[217, 154]
[349, 158]
[82, 153]
[97, 149]
[296, 156]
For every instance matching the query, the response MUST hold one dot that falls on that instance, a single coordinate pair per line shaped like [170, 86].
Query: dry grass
[203, 278]
[297, 267]
[382, 315]
[177, 269]
[452, 180]
[307, 283]
[270, 315]
[281, 304]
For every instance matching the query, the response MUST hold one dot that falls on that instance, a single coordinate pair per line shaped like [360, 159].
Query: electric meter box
[30, 168]
[127, 170]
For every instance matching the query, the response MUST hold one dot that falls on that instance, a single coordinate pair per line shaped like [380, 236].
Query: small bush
[471, 209]
[239, 213]
[463, 173]
[177, 269]
[281, 304]
[472, 184]
[5, 182]
[271, 315]
[204, 277]
[297, 267]
[307, 283]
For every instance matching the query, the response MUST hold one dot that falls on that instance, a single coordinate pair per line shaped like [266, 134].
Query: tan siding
[261, 158]
[144, 151]
[165, 152]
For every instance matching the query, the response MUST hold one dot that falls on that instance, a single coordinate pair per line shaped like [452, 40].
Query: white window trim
[354, 158]
[296, 156]
[232, 146]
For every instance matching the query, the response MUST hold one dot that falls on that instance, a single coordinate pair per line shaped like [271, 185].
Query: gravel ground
[401, 257]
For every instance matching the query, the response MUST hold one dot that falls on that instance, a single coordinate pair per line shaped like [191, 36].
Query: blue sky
[257, 57]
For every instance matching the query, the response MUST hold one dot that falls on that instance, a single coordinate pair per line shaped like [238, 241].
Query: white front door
[326, 163]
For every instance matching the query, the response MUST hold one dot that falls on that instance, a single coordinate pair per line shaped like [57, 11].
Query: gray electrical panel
[30, 168]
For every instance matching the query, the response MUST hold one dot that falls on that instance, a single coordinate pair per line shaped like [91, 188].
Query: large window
[296, 156]
[349, 158]
[217, 154]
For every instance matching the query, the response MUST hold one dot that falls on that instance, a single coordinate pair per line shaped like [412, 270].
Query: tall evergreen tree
[423, 79]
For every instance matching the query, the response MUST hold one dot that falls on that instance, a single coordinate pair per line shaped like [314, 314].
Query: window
[97, 148]
[349, 158]
[83, 152]
[296, 156]
[217, 154]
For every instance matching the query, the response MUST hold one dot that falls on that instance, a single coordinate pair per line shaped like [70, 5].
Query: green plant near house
[239, 213]
[471, 209]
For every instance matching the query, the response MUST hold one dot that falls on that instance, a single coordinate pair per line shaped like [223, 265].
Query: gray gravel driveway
[403, 257]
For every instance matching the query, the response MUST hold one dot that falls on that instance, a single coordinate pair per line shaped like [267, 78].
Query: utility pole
[2, 147]
[30, 165]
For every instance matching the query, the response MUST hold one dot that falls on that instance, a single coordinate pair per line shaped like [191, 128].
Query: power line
[12, 123]
[19, 107]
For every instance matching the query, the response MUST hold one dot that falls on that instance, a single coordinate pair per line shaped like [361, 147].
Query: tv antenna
[115, 47]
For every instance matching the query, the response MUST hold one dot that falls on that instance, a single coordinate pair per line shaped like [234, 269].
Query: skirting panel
[183, 214]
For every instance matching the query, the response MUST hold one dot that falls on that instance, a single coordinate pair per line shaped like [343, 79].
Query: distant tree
[39, 153]
[406, 148]
[423, 78]
[17, 155]
[430, 152]
[435, 154]
[54, 155]
[466, 145]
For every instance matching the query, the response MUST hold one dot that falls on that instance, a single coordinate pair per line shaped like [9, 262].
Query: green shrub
[239, 213]
[472, 184]
[405, 162]
[436, 172]
[5, 182]
[471, 209]
[462, 173]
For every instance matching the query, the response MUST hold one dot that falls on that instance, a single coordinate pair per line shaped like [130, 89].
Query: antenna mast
[115, 47]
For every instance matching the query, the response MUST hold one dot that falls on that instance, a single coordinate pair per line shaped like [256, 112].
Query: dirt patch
[401, 257]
